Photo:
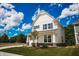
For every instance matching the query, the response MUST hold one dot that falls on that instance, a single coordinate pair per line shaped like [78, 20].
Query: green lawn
[44, 52]
[10, 44]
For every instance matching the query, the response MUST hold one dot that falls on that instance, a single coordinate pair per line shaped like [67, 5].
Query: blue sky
[29, 9]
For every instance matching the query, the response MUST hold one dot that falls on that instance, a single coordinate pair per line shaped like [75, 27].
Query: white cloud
[1, 31]
[15, 34]
[59, 5]
[20, 29]
[6, 5]
[52, 4]
[9, 32]
[26, 26]
[9, 18]
[68, 22]
[56, 4]
[72, 10]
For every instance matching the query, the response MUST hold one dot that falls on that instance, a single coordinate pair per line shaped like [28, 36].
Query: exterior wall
[41, 39]
[60, 35]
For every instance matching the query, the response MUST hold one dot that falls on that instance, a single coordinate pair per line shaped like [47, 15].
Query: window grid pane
[45, 38]
[35, 27]
[45, 26]
[49, 38]
[50, 26]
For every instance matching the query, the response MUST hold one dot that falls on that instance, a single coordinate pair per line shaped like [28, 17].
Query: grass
[10, 44]
[43, 51]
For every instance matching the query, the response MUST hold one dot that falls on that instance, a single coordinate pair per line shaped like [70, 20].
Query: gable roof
[43, 12]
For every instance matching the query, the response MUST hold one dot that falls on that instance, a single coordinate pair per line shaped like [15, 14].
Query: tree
[34, 35]
[69, 35]
[12, 40]
[20, 38]
[5, 38]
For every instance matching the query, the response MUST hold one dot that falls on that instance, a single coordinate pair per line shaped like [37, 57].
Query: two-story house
[50, 30]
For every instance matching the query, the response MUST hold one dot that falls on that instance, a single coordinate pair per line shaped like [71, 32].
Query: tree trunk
[33, 44]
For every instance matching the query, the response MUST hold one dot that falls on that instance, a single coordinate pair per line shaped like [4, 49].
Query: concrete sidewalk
[8, 54]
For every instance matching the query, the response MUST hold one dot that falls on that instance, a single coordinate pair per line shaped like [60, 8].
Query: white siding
[41, 39]
[44, 19]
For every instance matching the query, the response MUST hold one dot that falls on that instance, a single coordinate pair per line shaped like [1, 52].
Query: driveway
[5, 47]
[8, 54]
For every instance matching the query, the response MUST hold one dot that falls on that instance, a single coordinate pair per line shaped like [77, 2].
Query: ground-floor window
[47, 38]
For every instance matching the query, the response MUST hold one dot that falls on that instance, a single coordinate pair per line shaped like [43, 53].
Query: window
[50, 26]
[62, 39]
[35, 27]
[76, 24]
[45, 26]
[47, 38]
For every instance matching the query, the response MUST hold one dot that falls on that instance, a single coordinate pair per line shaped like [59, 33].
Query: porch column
[27, 40]
[54, 40]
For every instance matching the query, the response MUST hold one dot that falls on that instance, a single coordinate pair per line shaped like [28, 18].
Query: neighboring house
[76, 30]
[50, 30]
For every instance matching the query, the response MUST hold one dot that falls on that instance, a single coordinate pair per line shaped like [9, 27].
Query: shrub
[33, 44]
[12, 40]
[45, 45]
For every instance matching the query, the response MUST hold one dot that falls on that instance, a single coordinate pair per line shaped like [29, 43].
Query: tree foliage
[4, 38]
[33, 36]
[69, 35]
[20, 38]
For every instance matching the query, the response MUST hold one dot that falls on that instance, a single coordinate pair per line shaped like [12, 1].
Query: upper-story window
[76, 24]
[50, 26]
[36, 27]
[45, 26]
